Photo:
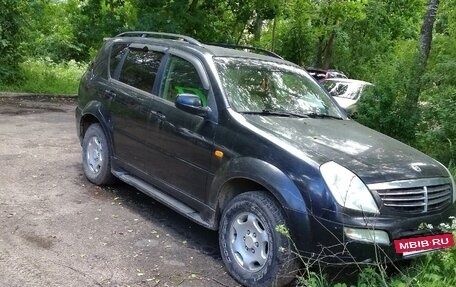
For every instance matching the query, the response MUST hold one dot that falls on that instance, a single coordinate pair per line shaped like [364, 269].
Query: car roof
[189, 44]
[219, 51]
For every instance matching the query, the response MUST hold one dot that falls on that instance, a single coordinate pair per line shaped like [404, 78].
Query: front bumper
[330, 244]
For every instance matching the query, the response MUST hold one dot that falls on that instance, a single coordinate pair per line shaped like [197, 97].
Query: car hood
[344, 103]
[374, 157]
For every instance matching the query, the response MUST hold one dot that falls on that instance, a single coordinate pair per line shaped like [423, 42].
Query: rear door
[134, 69]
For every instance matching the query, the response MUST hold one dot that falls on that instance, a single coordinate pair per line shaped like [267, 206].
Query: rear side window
[140, 68]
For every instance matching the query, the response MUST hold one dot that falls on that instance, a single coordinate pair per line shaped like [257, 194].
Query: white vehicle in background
[346, 92]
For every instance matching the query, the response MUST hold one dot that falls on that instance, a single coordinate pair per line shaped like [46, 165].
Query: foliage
[225, 21]
[365, 45]
[389, 112]
[437, 131]
[96, 19]
[382, 109]
[436, 134]
[11, 17]
[45, 76]
[51, 34]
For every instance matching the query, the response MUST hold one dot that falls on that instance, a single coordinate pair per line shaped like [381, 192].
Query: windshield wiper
[280, 113]
[323, 116]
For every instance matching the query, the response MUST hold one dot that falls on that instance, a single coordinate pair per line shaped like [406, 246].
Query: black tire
[96, 156]
[265, 264]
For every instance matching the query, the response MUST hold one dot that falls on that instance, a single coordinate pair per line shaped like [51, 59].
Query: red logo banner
[423, 243]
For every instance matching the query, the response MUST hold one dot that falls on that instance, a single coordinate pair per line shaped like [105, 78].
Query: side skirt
[163, 197]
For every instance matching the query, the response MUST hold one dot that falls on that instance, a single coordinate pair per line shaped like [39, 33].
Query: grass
[43, 76]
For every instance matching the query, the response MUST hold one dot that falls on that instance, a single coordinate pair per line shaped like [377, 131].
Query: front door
[186, 140]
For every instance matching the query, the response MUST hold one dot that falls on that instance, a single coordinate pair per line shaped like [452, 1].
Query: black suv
[252, 146]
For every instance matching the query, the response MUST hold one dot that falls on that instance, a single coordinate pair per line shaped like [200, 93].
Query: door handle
[158, 115]
[109, 94]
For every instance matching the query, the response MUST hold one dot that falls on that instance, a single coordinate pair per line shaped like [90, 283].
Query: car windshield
[347, 90]
[255, 86]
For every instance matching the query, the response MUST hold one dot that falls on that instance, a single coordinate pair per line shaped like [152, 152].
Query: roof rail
[146, 34]
[241, 47]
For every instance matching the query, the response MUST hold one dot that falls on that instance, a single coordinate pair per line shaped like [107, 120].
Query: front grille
[414, 196]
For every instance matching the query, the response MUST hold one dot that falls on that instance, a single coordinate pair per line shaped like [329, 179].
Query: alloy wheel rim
[249, 241]
[94, 155]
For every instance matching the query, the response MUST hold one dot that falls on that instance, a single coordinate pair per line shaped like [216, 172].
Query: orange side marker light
[218, 153]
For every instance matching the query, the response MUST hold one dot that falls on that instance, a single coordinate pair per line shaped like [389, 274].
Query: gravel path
[60, 230]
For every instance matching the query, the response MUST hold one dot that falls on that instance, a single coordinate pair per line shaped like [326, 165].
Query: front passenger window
[182, 77]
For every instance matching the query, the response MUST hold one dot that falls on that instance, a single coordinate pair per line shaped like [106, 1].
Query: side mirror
[191, 104]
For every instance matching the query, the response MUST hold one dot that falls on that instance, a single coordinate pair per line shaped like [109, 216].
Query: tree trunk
[273, 33]
[257, 27]
[424, 50]
[328, 53]
[320, 51]
[410, 109]
[193, 6]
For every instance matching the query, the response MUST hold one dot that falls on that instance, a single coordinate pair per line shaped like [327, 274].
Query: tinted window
[117, 53]
[182, 77]
[140, 69]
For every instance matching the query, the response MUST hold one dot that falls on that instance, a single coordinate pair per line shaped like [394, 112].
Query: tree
[309, 29]
[51, 35]
[11, 19]
[423, 53]
[436, 132]
[410, 109]
[94, 20]
[331, 16]
[366, 44]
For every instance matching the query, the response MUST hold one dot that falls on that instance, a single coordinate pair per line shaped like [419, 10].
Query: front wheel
[96, 158]
[254, 253]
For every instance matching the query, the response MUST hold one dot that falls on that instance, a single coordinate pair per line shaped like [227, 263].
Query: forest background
[407, 48]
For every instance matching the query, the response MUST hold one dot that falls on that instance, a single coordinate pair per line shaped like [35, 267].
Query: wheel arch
[95, 112]
[249, 174]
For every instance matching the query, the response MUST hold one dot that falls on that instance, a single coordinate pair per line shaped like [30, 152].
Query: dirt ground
[57, 229]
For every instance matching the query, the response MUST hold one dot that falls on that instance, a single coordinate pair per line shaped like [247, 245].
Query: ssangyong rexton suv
[243, 143]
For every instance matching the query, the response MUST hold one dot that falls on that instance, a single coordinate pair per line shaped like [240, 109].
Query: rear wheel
[254, 253]
[96, 157]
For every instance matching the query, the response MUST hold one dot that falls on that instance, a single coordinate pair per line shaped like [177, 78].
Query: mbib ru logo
[424, 243]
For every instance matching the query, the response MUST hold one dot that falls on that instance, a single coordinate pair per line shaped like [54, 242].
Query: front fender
[274, 181]
[263, 173]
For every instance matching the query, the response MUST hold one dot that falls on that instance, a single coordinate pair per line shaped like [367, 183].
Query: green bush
[436, 135]
[383, 108]
[11, 19]
[45, 76]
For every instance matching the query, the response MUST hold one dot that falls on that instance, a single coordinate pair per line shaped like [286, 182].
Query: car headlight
[347, 188]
